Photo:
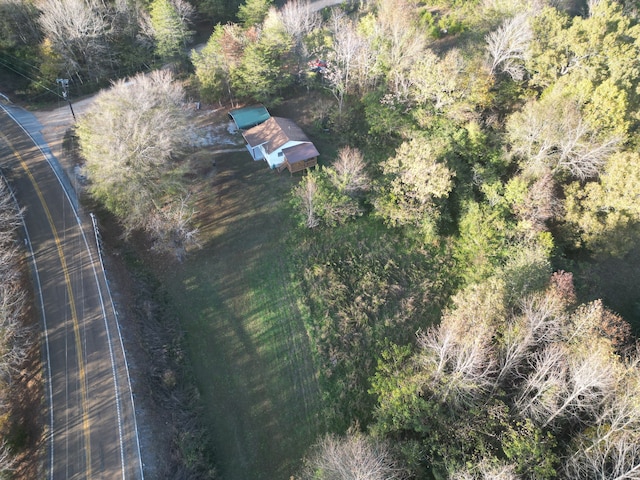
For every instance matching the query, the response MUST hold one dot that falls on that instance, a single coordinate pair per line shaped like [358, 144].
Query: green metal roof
[248, 117]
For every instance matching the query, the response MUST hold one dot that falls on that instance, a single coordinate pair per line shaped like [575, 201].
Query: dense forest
[468, 253]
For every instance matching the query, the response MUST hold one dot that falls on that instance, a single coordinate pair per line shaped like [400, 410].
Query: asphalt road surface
[91, 417]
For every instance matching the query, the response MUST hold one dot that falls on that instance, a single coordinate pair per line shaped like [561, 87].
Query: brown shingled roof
[301, 152]
[275, 132]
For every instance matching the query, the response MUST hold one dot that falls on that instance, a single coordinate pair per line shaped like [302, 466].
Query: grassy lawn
[245, 334]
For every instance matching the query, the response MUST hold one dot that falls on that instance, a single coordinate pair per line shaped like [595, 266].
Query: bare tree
[458, 360]
[78, 30]
[543, 388]
[592, 376]
[616, 458]
[540, 204]
[15, 338]
[545, 317]
[355, 456]
[348, 172]
[307, 193]
[348, 63]
[486, 470]
[131, 139]
[517, 340]
[619, 417]
[552, 135]
[299, 19]
[567, 383]
[508, 46]
[13, 335]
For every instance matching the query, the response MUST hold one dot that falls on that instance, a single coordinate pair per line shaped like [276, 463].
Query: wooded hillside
[467, 248]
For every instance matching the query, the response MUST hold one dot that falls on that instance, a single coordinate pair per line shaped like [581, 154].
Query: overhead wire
[35, 81]
[18, 59]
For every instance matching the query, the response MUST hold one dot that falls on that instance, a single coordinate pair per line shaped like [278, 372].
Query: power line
[15, 59]
[37, 82]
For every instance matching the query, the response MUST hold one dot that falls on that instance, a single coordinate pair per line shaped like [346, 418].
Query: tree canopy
[479, 161]
[130, 139]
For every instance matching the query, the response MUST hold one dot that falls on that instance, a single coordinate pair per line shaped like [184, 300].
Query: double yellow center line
[76, 326]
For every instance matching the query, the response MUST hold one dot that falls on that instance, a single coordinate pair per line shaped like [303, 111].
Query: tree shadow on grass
[247, 341]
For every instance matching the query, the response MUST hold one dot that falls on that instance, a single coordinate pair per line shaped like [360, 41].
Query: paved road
[320, 4]
[91, 417]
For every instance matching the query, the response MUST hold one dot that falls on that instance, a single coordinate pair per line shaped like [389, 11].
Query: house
[282, 144]
[248, 117]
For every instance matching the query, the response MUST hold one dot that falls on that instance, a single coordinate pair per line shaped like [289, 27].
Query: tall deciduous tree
[348, 58]
[416, 180]
[508, 46]
[78, 33]
[18, 24]
[355, 456]
[551, 134]
[130, 139]
[606, 212]
[594, 58]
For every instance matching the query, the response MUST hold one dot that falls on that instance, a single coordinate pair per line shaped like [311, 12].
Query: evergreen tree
[169, 19]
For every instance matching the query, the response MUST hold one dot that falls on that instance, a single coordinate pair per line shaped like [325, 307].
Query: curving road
[92, 430]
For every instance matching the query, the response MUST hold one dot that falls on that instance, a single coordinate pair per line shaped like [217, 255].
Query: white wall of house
[276, 157]
[257, 153]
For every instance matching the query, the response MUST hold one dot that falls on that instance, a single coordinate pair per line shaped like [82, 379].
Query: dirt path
[56, 123]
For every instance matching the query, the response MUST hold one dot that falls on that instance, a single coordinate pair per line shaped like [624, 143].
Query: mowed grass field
[238, 305]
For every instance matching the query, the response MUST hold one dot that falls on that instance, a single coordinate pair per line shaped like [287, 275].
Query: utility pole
[65, 93]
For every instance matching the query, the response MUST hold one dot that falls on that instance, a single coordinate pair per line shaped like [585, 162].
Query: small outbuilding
[299, 157]
[282, 144]
[248, 117]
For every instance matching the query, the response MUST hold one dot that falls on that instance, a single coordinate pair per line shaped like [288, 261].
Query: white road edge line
[126, 364]
[79, 222]
[113, 362]
[36, 275]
